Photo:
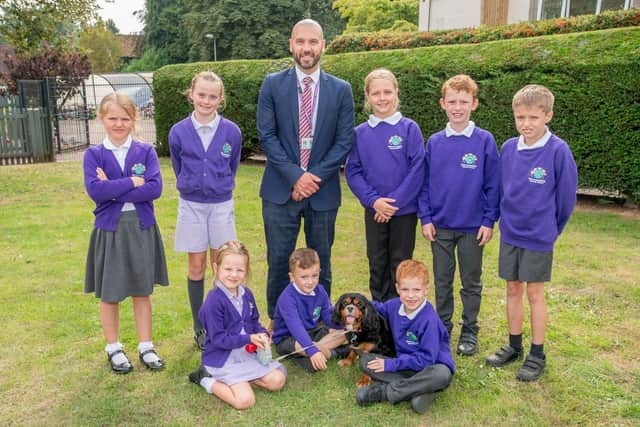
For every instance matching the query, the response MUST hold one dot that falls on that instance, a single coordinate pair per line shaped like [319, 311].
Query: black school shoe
[156, 365]
[200, 337]
[197, 375]
[421, 402]
[504, 356]
[375, 393]
[532, 368]
[120, 368]
[468, 344]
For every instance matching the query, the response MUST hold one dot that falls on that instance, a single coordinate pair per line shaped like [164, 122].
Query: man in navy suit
[305, 127]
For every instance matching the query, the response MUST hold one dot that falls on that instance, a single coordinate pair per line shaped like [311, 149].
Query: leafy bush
[358, 42]
[594, 76]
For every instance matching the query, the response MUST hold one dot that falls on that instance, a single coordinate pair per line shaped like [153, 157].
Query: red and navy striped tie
[306, 115]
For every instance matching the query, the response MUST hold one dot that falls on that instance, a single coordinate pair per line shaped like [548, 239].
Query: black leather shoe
[120, 368]
[200, 337]
[197, 375]
[156, 365]
[505, 355]
[468, 344]
[373, 394]
[532, 368]
[421, 402]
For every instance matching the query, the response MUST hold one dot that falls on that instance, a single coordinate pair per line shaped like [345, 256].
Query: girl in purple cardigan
[205, 154]
[231, 319]
[126, 255]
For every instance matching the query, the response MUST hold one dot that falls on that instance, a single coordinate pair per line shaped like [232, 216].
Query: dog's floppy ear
[336, 314]
[370, 316]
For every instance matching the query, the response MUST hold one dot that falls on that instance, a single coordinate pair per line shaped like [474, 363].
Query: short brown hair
[461, 82]
[303, 258]
[233, 247]
[411, 268]
[534, 96]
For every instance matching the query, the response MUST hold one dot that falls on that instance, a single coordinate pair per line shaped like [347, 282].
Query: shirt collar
[312, 293]
[538, 144]
[315, 76]
[112, 147]
[465, 132]
[392, 119]
[228, 293]
[211, 124]
[413, 314]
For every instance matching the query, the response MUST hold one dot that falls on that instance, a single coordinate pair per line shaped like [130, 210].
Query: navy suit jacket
[278, 128]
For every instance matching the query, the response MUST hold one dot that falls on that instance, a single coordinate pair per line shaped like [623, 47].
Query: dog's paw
[345, 362]
[364, 381]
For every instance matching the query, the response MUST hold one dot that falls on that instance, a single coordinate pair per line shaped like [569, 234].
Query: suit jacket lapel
[291, 93]
[323, 105]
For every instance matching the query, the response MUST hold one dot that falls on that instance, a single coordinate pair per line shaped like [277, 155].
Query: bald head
[307, 23]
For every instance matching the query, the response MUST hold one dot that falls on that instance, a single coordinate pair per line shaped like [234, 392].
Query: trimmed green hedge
[360, 42]
[594, 76]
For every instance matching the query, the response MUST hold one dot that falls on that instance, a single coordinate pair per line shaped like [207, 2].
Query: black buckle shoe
[197, 375]
[468, 344]
[421, 402]
[155, 365]
[531, 369]
[373, 394]
[120, 368]
[200, 337]
[505, 355]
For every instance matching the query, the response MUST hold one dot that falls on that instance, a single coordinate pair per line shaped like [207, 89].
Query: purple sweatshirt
[223, 324]
[420, 343]
[296, 313]
[387, 161]
[205, 177]
[461, 189]
[538, 193]
[111, 195]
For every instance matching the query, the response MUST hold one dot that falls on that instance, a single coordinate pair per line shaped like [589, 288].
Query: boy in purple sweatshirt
[458, 205]
[423, 364]
[539, 183]
[299, 310]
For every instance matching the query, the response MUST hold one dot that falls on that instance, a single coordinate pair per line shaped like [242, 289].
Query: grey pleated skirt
[126, 262]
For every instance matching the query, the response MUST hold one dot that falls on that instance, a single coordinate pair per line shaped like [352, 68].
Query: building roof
[131, 45]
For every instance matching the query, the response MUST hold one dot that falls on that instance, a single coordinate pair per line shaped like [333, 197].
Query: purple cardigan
[111, 195]
[223, 325]
[205, 177]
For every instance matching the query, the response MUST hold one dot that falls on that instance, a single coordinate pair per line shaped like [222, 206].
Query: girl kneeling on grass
[126, 255]
[230, 317]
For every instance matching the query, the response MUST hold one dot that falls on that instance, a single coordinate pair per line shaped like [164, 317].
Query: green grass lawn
[53, 369]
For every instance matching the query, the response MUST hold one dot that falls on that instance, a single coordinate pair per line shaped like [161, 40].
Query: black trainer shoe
[197, 375]
[421, 402]
[505, 355]
[373, 394]
[200, 337]
[531, 369]
[468, 344]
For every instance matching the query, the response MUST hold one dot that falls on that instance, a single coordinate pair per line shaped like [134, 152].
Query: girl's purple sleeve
[409, 188]
[215, 319]
[102, 191]
[354, 174]
[152, 187]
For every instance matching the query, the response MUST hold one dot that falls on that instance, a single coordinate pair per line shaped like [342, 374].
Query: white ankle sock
[149, 357]
[207, 383]
[118, 358]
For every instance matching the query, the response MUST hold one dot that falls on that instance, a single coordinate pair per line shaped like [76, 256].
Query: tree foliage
[376, 15]
[29, 25]
[242, 29]
[102, 48]
[71, 68]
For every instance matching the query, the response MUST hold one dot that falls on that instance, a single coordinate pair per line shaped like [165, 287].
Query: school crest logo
[226, 150]
[395, 142]
[538, 175]
[469, 161]
[412, 339]
[316, 313]
[138, 169]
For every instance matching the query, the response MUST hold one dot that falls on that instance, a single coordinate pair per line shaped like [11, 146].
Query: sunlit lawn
[53, 369]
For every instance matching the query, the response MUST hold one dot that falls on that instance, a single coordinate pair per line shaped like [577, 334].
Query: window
[549, 9]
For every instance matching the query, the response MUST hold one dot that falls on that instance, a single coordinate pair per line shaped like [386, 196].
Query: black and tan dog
[369, 331]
